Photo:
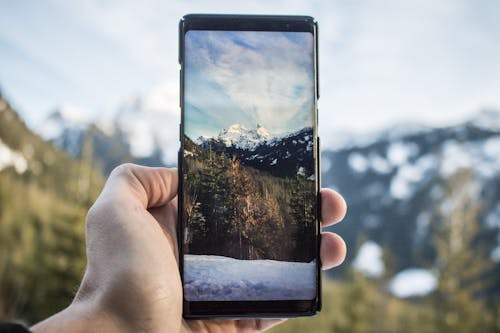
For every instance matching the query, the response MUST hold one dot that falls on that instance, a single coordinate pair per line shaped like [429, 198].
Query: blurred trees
[42, 215]
[464, 266]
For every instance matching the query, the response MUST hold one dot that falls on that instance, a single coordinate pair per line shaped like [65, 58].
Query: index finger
[145, 186]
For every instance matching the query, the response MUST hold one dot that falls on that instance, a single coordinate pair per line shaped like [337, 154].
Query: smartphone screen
[249, 166]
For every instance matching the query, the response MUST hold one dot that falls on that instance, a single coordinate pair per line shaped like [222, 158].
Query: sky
[381, 63]
[248, 78]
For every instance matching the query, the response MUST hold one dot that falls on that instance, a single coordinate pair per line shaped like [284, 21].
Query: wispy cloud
[249, 78]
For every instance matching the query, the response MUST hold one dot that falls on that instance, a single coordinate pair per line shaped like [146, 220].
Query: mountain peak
[235, 128]
[65, 118]
[487, 119]
[239, 136]
[70, 114]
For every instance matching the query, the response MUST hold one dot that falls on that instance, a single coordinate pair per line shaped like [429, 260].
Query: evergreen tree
[463, 266]
[357, 309]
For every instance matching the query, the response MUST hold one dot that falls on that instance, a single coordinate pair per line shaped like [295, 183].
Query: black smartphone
[249, 180]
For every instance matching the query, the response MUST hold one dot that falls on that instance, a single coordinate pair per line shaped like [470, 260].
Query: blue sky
[248, 78]
[432, 62]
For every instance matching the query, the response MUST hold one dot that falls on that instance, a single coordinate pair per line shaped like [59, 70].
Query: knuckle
[124, 169]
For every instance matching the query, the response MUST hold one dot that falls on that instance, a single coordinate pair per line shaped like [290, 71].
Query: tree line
[237, 211]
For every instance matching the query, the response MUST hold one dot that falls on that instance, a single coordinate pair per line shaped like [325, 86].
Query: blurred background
[410, 129]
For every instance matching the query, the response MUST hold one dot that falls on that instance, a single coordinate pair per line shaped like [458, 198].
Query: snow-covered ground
[217, 278]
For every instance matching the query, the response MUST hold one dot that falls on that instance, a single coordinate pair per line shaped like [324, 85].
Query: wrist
[123, 306]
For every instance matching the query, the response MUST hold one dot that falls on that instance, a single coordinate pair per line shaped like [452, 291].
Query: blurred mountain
[392, 180]
[137, 132]
[395, 184]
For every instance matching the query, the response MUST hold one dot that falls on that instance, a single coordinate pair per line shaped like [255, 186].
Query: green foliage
[42, 214]
[463, 264]
[238, 211]
[361, 305]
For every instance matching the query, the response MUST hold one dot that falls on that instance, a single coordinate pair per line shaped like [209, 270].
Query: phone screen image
[249, 166]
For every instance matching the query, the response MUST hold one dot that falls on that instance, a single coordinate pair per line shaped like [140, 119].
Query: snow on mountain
[369, 260]
[147, 123]
[65, 127]
[286, 155]
[67, 116]
[487, 119]
[410, 175]
[209, 277]
[495, 254]
[413, 282]
[9, 157]
[395, 184]
[150, 123]
[345, 140]
[240, 137]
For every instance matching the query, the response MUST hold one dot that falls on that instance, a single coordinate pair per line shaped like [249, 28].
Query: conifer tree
[463, 266]
[357, 310]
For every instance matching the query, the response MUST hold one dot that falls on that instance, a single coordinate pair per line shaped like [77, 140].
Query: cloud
[416, 60]
[251, 77]
[409, 61]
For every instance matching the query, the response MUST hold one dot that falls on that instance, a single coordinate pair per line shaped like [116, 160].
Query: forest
[241, 212]
[42, 218]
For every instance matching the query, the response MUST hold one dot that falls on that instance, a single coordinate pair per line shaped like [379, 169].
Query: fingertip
[333, 207]
[333, 250]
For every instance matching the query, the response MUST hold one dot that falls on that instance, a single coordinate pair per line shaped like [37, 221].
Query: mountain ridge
[239, 136]
[272, 154]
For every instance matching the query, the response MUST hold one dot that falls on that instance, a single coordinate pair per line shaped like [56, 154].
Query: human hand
[132, 281]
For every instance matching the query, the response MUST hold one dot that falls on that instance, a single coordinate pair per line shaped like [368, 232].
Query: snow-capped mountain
[65, 127]
[280, 155]
[395, 184]
[150, 125]
[144, 129]
[240, 137]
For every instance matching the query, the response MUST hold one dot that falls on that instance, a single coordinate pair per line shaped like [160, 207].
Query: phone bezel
[254, 309]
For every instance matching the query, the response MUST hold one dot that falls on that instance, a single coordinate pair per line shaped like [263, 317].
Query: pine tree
[463, 266]
[358, 302]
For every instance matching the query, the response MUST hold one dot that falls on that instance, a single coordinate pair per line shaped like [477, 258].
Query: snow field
[217, 278]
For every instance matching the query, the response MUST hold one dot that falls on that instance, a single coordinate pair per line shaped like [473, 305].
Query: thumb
[135, 184]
